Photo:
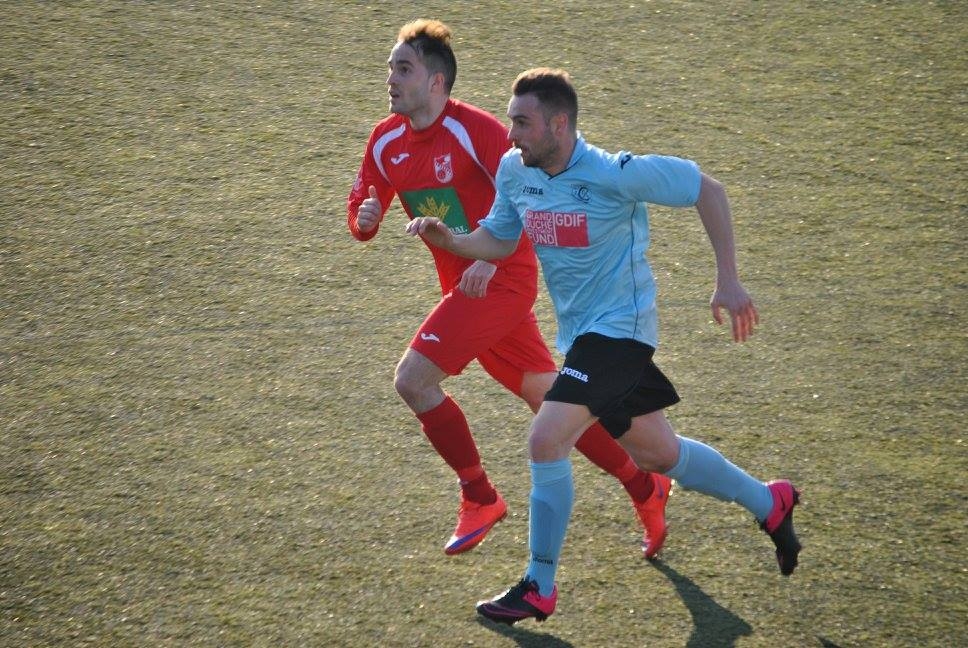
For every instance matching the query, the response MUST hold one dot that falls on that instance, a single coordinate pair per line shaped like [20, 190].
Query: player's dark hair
[430, 39]
[554, 91]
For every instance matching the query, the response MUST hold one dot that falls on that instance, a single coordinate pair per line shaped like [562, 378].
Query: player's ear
[438, 82]
[560, 122]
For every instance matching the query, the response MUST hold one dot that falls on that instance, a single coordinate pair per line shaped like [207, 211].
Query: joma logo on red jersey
[557, 229]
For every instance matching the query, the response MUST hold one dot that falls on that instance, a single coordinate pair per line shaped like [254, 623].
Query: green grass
[200, 440]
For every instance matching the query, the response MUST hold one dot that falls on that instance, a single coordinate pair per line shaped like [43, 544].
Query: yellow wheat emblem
[431, 207]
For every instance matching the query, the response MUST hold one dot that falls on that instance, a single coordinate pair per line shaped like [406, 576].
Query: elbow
[710, 189]
[510, 247]
[712, 199]
[363, 236]
[501, 250]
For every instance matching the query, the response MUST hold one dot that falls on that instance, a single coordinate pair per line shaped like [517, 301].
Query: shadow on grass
[525, 638]
[713, 625]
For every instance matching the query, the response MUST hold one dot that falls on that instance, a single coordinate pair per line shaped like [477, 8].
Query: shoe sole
[510, 617]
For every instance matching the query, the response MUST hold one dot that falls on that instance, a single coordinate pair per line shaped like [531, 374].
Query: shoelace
[523, 587]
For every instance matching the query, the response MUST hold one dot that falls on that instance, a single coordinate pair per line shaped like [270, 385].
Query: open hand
[473, 282]
[743, 314]
[432, 230]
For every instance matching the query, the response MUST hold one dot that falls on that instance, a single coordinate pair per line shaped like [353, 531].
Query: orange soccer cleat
[651, 513]
[473, 522]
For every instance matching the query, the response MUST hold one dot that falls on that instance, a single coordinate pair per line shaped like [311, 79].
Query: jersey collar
[581, 146]
[431, 131]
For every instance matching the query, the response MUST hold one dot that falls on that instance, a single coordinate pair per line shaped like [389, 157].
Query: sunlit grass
[201, 444]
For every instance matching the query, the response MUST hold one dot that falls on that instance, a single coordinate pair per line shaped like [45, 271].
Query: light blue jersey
[590, 228]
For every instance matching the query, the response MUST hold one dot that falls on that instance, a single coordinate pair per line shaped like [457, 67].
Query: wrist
[727, 273]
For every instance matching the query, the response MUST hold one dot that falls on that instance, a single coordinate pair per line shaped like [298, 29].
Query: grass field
[201, 444]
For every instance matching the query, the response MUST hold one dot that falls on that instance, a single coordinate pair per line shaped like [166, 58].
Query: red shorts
[499, 330]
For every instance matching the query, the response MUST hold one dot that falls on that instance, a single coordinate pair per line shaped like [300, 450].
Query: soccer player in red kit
[439, 157]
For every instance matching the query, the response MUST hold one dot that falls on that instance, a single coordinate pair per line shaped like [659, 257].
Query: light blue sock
[552, 495]
[701, 468]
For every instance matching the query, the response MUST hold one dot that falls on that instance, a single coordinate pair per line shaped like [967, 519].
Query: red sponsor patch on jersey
[557, 229]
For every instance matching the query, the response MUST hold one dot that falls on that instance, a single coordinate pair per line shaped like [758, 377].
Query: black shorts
[614, 378]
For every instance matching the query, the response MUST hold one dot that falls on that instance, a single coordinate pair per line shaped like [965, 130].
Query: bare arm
[479, 244]
[714, 212]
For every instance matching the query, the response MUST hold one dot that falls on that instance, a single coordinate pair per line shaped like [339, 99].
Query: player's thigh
[599, 372]
[653, 392]
[417, 371]
[461, 328]
[651, 442]
[521, 362]
[555, 429]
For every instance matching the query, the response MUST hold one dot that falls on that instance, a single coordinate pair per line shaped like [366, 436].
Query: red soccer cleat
[473, 522]
[651, 513]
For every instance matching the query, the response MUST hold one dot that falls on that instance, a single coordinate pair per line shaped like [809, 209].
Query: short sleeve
[658, 179]
[503, 221]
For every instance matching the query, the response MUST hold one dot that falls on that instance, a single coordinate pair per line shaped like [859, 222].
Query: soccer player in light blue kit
[584, 210]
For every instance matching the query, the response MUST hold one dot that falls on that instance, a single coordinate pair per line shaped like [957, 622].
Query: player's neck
[560, 162]
[426, 116]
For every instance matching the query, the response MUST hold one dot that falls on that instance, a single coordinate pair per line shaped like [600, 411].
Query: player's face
[530, 132]
[408, 81]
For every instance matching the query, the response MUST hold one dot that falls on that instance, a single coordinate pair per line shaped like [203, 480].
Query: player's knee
[406, 386]
[666, 452]
[545, 444]
[417, 389]
[658, 461]
[658, 455]
[538, 448]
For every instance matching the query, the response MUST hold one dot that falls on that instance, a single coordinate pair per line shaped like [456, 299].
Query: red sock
[640, 487]
[449, 434]
[605, 452]
[479, 490]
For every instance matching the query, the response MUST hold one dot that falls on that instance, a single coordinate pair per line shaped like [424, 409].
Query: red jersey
[446, 170]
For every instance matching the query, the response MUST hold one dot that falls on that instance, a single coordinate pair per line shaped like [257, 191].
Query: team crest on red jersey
[443, 168]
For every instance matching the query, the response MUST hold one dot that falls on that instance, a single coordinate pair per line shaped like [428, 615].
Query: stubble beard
[530, 159]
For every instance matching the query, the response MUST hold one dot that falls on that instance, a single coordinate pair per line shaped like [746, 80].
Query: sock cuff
[546, 472]
[679, 469]
[441, 413]
[627, 472]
